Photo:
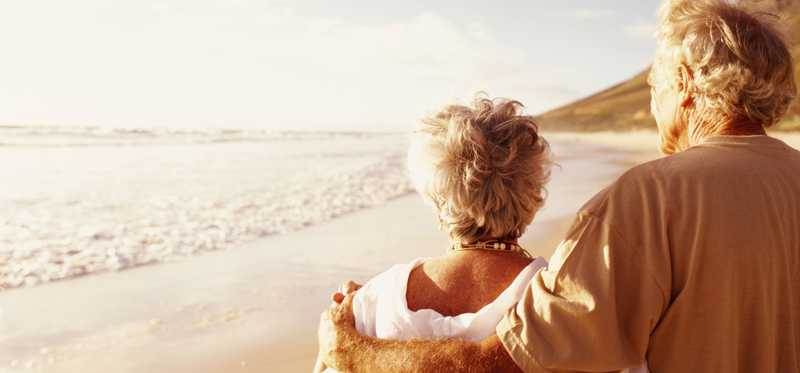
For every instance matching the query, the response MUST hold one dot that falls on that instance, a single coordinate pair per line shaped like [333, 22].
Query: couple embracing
[690, 263]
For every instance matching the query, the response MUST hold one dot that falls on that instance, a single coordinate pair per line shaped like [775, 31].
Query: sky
[306, 64]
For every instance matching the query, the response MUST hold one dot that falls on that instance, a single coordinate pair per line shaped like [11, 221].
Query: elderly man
[690, 263]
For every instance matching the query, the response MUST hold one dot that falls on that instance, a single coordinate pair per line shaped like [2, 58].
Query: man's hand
[337, 332]
[346, 289]
[337, 298]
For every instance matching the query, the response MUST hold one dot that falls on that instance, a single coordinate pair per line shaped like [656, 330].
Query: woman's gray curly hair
[483, 167]
[740, 63]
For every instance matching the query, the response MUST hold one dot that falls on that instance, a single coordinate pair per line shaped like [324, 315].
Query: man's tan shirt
[691, 262]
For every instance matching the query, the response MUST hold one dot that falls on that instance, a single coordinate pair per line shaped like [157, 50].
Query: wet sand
[254, 308]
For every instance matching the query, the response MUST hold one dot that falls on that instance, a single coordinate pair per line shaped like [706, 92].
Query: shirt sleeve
[592, 310]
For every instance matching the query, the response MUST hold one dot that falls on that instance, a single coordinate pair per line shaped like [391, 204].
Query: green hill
[626, 106]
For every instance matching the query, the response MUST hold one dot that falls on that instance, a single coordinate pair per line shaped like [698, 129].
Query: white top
[381, 311]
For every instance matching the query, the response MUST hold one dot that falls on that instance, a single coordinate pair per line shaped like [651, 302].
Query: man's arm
[374, 355]
[343, 348]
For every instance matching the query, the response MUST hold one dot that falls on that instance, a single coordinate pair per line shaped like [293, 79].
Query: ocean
[78, 201]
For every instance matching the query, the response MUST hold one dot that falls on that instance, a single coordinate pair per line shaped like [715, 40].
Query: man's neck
[725, 127]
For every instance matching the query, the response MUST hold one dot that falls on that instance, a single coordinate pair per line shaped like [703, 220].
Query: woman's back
[462, 282]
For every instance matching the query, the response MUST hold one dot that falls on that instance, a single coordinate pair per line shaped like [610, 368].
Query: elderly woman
[690, 262]
[483, 168]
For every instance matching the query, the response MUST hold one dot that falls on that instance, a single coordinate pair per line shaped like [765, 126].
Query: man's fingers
[347, 302]
[343, 313]
[349, 287]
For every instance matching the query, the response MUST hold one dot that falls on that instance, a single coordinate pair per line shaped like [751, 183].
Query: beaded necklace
[492, 245]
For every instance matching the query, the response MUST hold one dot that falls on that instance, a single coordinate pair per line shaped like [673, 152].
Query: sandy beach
[255, 307]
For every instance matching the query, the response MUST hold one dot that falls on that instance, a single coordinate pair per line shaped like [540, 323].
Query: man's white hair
[738, 58]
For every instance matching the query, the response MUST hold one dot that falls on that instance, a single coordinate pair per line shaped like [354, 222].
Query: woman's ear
[685, 86]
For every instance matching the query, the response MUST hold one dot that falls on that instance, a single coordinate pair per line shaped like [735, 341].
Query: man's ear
[685, 85]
